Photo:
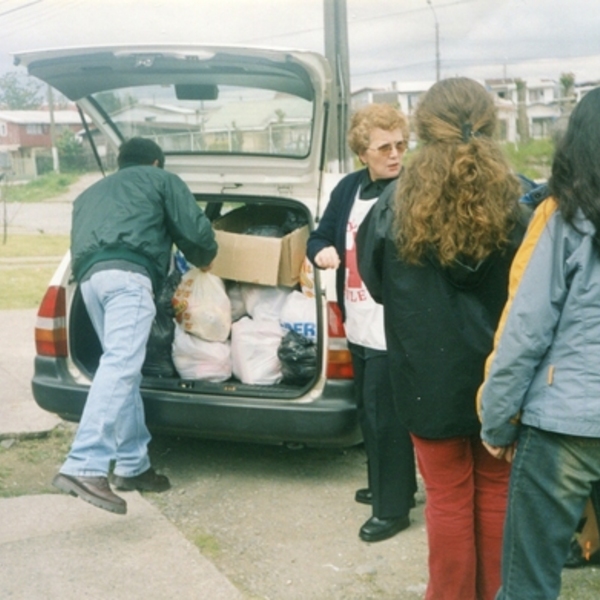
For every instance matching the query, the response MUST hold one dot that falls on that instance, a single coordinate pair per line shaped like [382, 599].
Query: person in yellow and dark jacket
[540, 402]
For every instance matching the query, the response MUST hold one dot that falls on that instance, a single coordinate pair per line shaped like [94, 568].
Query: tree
[567, 88]
[19, 92]
[522, 118]
[567, 83]
[71, 153]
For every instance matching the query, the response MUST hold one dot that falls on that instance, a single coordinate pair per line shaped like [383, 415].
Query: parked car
[246, 129]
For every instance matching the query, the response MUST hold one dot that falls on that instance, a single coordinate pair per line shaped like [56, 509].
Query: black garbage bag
[293, 220]
[298, 357]
[159, 361]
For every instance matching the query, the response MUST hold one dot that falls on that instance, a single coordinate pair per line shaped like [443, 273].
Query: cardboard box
[256, 258]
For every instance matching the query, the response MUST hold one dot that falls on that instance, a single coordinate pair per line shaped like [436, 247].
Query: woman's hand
[327, 258]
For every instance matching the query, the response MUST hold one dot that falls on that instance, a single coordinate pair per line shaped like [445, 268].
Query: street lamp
[437, 42]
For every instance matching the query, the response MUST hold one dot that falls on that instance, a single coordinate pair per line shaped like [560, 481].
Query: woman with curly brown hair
[436, 254]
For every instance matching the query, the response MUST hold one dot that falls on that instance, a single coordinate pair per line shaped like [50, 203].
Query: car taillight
[50, 328]
[339, 361]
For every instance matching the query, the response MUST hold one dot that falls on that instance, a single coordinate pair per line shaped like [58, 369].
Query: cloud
[388, 40]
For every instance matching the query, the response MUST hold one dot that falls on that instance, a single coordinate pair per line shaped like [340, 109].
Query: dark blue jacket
[331, 230]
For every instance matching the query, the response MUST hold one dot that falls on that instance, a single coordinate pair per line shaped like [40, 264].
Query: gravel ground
[282, 524]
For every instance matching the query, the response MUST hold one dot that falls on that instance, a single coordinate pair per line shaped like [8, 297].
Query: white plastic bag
[299, 314]
[202, 306]
[263, 301]
[254, 345]
[195, 358]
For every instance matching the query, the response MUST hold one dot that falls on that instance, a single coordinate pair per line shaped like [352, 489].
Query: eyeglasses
[386, 149]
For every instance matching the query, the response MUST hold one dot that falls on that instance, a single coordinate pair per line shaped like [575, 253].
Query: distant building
[543, 103]
[25, 138]
[404, 95]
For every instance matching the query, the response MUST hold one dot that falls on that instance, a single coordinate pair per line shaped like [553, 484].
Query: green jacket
[137, 214]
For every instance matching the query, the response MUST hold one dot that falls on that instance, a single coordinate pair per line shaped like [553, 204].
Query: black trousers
[390, 455]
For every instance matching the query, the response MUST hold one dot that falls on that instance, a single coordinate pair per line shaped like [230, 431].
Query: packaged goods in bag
[307, 278]
[238, 308]
[298, 357]
[202, 306]
[254, 345]
[299, 314]
[195, 358]
[264, 301]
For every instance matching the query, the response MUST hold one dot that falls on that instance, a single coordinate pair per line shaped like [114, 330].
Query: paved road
[52, 216]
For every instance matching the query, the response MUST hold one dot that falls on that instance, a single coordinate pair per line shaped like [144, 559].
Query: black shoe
[364, 496]
[148, 481]
[376, 530]
[94, 490]
[576, 559]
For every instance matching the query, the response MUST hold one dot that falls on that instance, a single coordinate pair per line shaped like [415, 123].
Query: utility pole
[55, 164]
[4, 211]
[336, 52]
[437, 42]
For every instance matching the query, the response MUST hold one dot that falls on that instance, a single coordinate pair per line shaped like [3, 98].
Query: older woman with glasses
[378, 136]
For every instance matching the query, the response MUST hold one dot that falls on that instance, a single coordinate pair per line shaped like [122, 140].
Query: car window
[207, 119]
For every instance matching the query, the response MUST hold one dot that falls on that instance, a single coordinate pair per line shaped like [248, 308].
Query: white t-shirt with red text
[364, 317]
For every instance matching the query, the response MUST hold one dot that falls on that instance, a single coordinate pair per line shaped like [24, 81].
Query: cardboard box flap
[259, 259]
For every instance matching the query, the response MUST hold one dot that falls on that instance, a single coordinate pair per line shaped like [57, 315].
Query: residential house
[25, 138]
[541, 100]
[404, 95]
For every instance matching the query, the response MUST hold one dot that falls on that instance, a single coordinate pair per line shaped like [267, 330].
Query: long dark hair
[575, 180]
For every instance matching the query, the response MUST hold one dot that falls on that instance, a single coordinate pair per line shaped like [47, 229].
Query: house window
[3, 130]
[34, 129]
[536, 95]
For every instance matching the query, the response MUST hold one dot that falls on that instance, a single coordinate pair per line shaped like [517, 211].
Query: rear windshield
[231, 120]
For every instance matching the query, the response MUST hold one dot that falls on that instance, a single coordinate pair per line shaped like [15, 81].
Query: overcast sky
[389, 40]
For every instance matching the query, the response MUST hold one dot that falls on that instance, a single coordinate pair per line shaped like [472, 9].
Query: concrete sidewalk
[57, 547]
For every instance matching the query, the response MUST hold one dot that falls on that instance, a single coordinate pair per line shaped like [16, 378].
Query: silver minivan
[246, 129]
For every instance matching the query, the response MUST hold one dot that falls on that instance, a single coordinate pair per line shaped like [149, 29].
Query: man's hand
[327, 258]
[206, 268]
[501, 452]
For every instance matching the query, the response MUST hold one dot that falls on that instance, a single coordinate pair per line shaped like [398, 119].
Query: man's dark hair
[140, 151]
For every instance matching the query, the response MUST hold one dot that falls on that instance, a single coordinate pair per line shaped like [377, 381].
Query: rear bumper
[328, 421]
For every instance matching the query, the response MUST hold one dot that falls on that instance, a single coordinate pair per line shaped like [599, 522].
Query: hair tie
[467, 132]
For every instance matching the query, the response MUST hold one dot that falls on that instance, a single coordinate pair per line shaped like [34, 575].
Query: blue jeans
[112, 426]
[549, 484]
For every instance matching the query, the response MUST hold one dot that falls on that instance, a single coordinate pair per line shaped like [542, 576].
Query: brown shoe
[94, 490]
[148, 481]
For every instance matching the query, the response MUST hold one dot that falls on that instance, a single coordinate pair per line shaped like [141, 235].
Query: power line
[12, 10]
[357, 20]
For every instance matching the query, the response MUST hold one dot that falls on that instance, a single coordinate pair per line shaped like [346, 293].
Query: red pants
[466, 495]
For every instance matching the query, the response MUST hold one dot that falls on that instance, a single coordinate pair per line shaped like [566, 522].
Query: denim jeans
[550, 482]
[112, 426]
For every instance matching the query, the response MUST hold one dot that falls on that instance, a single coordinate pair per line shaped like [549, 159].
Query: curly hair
[457, 198]
[575, 179]
[373, 116]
